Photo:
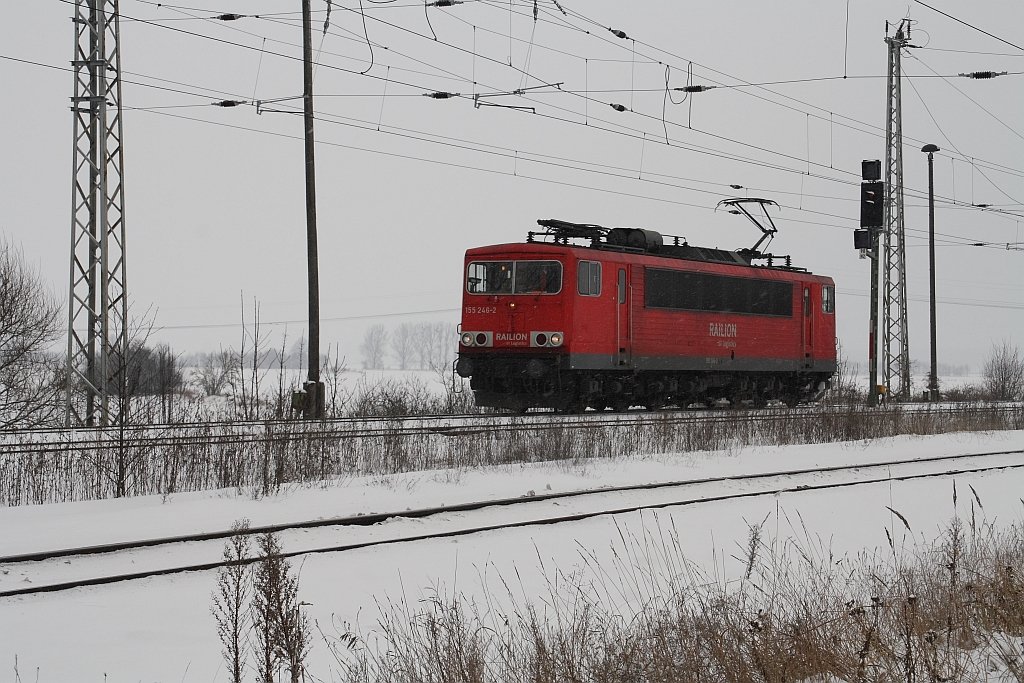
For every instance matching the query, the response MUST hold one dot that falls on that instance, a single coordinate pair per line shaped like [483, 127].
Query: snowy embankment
[161, 629]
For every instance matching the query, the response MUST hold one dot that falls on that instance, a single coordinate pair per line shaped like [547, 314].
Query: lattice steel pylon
[895, 345]
[97, 305]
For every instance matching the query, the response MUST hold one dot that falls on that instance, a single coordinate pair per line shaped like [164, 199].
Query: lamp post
[933, 377]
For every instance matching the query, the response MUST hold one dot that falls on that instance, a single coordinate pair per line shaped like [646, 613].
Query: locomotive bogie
[517, 382]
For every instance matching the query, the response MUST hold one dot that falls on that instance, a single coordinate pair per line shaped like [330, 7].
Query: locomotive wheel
[573, 406]
[620, 405]
[517, 407]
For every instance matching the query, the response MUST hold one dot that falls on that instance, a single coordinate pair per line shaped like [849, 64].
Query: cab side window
[588, 278]
[828, 299]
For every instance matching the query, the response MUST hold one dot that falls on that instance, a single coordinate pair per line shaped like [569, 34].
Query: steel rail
[116, 429]
[367, 520]
[121, 431]
[473, 427]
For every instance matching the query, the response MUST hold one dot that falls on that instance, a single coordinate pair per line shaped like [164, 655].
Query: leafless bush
[280, 625]
[1004, 373]
[458, 399]
[215, 372]
[844, 382]
[408, 397]
[231, 602]
[965, 393]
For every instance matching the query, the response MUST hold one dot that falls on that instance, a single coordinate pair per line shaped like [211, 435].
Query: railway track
[285, 431]
[69, 568]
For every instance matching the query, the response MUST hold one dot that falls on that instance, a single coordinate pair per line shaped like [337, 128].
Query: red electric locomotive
[584, 316]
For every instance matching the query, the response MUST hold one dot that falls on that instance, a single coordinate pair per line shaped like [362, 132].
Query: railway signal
[872, 219]
[872, 204]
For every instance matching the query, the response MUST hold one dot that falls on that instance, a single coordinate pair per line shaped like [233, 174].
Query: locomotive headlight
[546, 339]
[481, 339]
[467, 339]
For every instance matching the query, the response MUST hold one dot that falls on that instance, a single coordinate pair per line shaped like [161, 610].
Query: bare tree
[374, 345]
[29, 323]
[332, 370]
[160, 376]
[434, 344]
[283, 403]
[442, 344]
[403, 344]
[126, 382]
[249, 361]
[1004, 373]
[421, 349]
[231, 601]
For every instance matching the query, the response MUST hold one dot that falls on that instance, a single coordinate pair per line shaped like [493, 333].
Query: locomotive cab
[512, 342]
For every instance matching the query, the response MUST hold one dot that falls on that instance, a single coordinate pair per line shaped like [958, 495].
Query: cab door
[623, 318]
[808, 326]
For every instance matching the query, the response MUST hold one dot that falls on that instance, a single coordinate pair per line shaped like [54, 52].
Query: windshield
[514, 277]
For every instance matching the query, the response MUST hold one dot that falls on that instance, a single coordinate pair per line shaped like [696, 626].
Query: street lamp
[933, 378]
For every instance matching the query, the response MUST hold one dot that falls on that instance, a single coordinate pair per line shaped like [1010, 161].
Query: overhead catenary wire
[908, 141]
[639, 133]
[971, 99]
[962, 240]
[947, 139]
[969, 25]
[741, 85]
[172, 28]
[728, 156]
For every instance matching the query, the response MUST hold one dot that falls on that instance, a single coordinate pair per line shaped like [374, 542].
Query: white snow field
[161, 629]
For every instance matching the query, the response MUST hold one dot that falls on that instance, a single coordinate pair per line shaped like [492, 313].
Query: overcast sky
[214, 196]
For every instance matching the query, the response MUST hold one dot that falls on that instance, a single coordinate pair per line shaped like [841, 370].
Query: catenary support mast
[895, 345]
[314, 407]
[98, 305]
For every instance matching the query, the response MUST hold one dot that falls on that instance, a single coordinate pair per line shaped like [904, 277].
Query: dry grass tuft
[952, 611]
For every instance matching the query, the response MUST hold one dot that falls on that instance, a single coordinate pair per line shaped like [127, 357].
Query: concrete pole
[933, 377]
[314, 399]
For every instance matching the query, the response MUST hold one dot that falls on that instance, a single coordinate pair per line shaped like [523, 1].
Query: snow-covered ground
[161, 629]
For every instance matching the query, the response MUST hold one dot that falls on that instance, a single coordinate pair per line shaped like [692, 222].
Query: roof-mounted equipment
[766, 225]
